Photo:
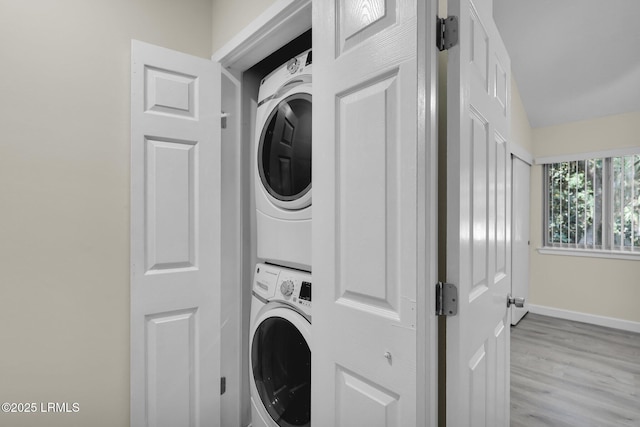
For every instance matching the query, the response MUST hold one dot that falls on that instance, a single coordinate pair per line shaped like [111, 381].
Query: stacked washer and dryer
[279, 339]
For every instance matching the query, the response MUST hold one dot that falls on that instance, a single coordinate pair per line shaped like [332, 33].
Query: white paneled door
[478, 219]
[365, 224]
[175, 239]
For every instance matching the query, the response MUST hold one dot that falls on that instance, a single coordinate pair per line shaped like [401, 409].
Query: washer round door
[281, 365]
[284, 152]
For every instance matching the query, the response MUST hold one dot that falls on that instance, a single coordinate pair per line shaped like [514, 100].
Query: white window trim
[618, 152]
[590, 253]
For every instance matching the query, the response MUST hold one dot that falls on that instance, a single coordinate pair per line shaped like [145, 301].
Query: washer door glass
[281, 361]
[284, 153]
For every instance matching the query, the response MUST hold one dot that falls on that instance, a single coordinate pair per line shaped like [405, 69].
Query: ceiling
[573, 59]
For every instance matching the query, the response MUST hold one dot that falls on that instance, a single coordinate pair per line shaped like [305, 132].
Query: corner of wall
[521, 132]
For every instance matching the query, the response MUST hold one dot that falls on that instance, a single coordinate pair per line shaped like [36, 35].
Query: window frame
[607, 248]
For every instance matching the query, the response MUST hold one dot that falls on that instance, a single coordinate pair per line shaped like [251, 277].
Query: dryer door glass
[281, 361]
[284, 153]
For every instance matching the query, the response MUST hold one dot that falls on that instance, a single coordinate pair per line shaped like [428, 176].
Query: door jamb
[427, 122]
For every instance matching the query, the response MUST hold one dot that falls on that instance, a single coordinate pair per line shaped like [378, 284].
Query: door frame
[276, 26]
[428, 245]
[279, 24]
[520, 153]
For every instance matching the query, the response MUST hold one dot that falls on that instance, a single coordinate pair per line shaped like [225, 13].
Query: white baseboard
[610, 322]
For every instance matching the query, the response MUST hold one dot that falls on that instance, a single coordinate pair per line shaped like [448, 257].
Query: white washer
[280, 348]
[283, 165]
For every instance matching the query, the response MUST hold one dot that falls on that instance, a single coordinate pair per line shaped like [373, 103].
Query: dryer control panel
[274, 283]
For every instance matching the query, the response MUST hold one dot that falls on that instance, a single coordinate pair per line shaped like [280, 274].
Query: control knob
[292, 65]
[286, 287]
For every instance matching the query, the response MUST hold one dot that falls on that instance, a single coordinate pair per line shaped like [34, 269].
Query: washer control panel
[300, 64]
[275, 283]
[287, 287]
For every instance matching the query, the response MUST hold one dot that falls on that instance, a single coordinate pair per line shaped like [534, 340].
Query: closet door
[478, 219]
[365, 213]
[175, 238]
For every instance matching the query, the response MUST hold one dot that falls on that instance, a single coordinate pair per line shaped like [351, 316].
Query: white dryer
[283, 165]
[280, 348]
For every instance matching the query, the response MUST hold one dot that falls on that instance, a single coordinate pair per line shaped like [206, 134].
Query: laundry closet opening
[241, 155]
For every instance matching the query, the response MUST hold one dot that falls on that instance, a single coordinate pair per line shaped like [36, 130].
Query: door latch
[518, 302]
[223, 120]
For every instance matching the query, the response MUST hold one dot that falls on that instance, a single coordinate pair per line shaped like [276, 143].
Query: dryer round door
[284, 152]
[281, 366]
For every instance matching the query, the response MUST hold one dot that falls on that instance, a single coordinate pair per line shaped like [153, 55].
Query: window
[593, 204]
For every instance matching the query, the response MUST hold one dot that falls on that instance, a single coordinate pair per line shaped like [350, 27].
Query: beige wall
[64, 197]
[520, 127]
[595, 286]
[619, 131]
[231, 16]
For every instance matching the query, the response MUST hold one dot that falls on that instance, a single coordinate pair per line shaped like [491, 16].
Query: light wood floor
[566, 373]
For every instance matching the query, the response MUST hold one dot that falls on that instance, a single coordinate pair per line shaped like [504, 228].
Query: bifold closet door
[365, 217]
[175, 238]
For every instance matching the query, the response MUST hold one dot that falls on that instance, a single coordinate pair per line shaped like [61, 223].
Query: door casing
[521, 187]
